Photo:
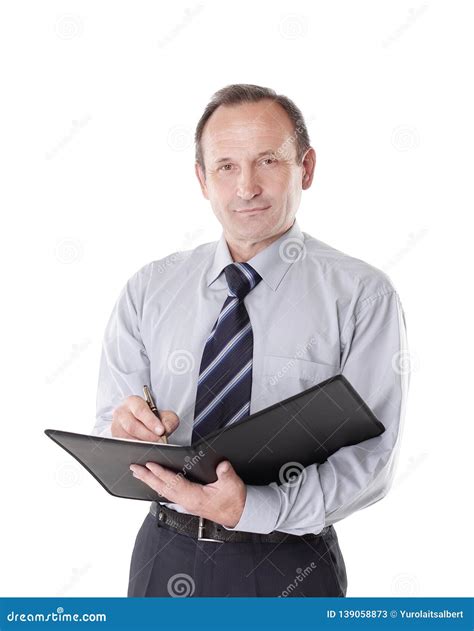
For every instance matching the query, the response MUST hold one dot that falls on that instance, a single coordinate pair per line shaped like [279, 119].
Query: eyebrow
[262, 153]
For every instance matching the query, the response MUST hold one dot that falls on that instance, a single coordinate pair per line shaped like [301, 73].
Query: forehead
[247, 127]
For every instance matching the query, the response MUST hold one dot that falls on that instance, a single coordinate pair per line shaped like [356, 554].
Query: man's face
[251, 176]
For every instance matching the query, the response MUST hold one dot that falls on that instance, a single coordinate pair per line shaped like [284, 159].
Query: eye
[269, 160]
[224, 167]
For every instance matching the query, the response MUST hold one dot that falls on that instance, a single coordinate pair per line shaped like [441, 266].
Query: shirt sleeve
[374, 360]
[124, 365]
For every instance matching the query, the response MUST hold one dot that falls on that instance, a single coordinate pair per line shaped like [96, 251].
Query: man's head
[253, 151]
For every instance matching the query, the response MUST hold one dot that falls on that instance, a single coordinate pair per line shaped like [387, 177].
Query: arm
[374, 342]
[124, 364]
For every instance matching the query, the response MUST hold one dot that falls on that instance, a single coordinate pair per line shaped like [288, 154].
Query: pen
[153, 408]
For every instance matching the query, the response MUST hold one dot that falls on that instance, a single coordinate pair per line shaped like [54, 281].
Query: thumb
[223, 468]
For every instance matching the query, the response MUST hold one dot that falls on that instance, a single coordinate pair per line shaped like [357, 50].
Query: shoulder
[352, 276]
[171, 267]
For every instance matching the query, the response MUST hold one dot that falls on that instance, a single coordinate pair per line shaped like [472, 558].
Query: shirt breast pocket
[286, 376]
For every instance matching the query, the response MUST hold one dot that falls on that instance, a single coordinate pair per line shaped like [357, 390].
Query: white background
[99, 105]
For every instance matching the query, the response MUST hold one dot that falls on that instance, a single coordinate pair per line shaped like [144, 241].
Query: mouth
[245, 211]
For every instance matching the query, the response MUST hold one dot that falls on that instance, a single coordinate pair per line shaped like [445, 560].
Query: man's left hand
[221, 501]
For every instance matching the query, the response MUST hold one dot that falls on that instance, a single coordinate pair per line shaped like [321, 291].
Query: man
[234, 326]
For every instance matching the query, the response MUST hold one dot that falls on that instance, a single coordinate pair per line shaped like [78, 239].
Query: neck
[242, 251]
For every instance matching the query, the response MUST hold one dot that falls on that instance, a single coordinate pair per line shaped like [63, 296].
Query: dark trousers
[165, 563]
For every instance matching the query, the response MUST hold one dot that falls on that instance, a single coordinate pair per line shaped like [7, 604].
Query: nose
[247, 185]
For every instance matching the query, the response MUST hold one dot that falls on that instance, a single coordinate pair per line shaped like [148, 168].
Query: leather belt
[206, 530]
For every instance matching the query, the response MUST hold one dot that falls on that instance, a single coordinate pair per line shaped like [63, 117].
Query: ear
[308, 164]
[202, 179]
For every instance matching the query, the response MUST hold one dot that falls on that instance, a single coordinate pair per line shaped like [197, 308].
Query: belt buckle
[200, 536]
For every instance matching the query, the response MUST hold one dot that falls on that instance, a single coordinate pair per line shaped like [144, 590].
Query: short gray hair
[238, 93]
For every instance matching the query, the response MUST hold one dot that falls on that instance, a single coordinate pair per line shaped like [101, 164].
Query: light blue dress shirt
[316, 313]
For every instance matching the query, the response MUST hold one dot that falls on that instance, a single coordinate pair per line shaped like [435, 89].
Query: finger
[119, 432]
[155, 483]
[186, 491]
[170, 420]
[226, 475]
[135, 427]
[224, 468]
[141, 411]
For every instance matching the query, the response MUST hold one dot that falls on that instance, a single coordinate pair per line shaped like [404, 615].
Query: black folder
[271, 445]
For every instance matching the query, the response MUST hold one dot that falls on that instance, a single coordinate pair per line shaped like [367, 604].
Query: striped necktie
[225, 375]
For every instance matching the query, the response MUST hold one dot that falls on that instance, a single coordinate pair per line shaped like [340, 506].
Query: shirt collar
[270, 263]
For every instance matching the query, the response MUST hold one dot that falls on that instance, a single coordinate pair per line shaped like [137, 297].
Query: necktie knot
[241, 279]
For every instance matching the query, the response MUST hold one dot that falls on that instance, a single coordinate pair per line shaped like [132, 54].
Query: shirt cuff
[261, 510]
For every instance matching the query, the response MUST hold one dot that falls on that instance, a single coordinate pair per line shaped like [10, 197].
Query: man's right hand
[134, 419]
